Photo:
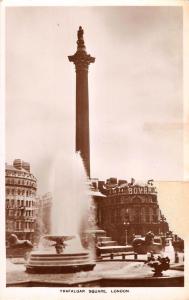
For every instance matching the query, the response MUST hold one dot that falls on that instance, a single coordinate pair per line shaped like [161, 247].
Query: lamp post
[126, 232]
[126, 223]
[162, 221]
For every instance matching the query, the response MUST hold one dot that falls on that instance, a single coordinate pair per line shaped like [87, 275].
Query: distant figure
[14, 242]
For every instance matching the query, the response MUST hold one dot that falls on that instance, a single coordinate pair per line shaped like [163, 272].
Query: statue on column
[80, 33]
[80, 40]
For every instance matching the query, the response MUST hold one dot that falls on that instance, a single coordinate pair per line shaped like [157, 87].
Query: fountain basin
[39, 262]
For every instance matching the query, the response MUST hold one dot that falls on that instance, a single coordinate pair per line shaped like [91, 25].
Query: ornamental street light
[126, 224]
[163, 221]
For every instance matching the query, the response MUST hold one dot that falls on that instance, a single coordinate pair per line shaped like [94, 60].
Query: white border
[40, 293]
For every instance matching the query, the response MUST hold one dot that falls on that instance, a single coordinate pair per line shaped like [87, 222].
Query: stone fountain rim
[54, 237]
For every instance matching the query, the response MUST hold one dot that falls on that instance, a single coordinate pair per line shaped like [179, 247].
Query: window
[155, 219]
[136, 200]
[147, 218]
[11, 213]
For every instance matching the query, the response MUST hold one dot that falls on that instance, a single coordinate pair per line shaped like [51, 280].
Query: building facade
[128, 209]
[21, 187]
[44, 207]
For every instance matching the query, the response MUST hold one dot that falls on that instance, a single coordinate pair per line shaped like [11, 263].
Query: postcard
[94, 156]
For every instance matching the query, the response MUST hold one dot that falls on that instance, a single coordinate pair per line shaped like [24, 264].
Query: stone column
[82, 61]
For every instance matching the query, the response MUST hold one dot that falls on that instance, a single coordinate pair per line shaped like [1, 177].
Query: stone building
[128, 209]
[44, 206]
[21, 187]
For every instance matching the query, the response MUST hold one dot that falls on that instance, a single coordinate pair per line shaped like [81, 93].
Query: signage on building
[134, 190]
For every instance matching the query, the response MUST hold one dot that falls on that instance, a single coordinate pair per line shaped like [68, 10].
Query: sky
[135, 89]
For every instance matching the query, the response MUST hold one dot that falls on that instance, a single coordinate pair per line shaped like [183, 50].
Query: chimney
[17, 163]
[26, 166]
[111, 180]
[101, 185]
[122, 181]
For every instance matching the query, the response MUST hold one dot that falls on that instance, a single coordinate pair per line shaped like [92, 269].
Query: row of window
[22, 192]
[22, 203]
[19, 174]
[20, 213]
[20, 182]
[135, 219]
[134, 211]
[136, 214]
[19, 225]
[126, 199]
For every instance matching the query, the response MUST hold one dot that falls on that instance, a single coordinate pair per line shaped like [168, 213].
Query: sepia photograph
[95, 142]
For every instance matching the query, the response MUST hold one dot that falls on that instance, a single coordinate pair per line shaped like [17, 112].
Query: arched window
[151, 210]
[136, 200]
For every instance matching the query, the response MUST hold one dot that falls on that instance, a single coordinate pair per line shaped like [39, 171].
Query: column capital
[81, 59]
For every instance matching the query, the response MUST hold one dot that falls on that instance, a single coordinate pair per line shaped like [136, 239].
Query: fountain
[61, 251]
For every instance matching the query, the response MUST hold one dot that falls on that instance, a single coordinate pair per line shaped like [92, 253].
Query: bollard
[176, 257]
[135, 256]
[123, 256]
[111, 256]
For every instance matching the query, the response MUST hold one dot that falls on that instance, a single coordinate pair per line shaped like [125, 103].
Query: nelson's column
[82, 61]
